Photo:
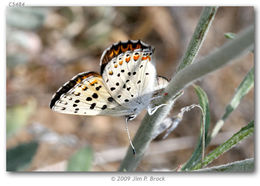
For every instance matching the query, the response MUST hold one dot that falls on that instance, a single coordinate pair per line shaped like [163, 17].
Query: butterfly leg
[155, 98]
[151, 110]
[128, 118]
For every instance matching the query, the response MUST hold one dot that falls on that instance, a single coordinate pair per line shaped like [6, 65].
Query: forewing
[85, 94]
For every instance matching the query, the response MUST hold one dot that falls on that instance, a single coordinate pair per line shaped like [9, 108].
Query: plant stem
[143, 138]
[220, 57]
[149, 124]
[183, 78]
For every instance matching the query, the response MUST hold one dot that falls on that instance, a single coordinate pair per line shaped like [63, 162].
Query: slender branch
[232, 49]
[143, 138]
[214, 61]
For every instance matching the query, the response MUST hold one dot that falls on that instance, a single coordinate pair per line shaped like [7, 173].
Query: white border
[32, 179]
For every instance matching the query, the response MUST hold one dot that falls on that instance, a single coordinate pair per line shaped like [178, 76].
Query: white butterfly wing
[129, 74]
[86, 94]
[126, 87]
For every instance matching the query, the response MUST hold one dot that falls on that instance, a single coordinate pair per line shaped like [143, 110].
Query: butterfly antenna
[128, 134]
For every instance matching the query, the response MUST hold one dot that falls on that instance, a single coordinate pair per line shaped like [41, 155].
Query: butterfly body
[125, 87]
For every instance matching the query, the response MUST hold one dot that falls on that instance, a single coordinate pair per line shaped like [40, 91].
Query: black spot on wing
[95, 95]
[92, 106]
[121, 47]
[89, 98]
[99, 87]
[69, 85]
[110, 99]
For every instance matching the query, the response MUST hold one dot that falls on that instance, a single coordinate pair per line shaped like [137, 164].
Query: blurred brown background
[47, 46]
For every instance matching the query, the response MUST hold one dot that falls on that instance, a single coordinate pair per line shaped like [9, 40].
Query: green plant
[81, 160]
[187, 73]
[26, 153]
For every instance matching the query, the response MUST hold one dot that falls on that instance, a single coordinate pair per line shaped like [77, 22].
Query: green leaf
[198, 153]
[20, 156]
[245, 86]
[237, 166]
[230, 35]
[17, 117]
[206, 18]
[183, 78]
[81, 160]
[230, 143]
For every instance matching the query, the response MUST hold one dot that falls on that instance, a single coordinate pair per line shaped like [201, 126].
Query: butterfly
[126, 85]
